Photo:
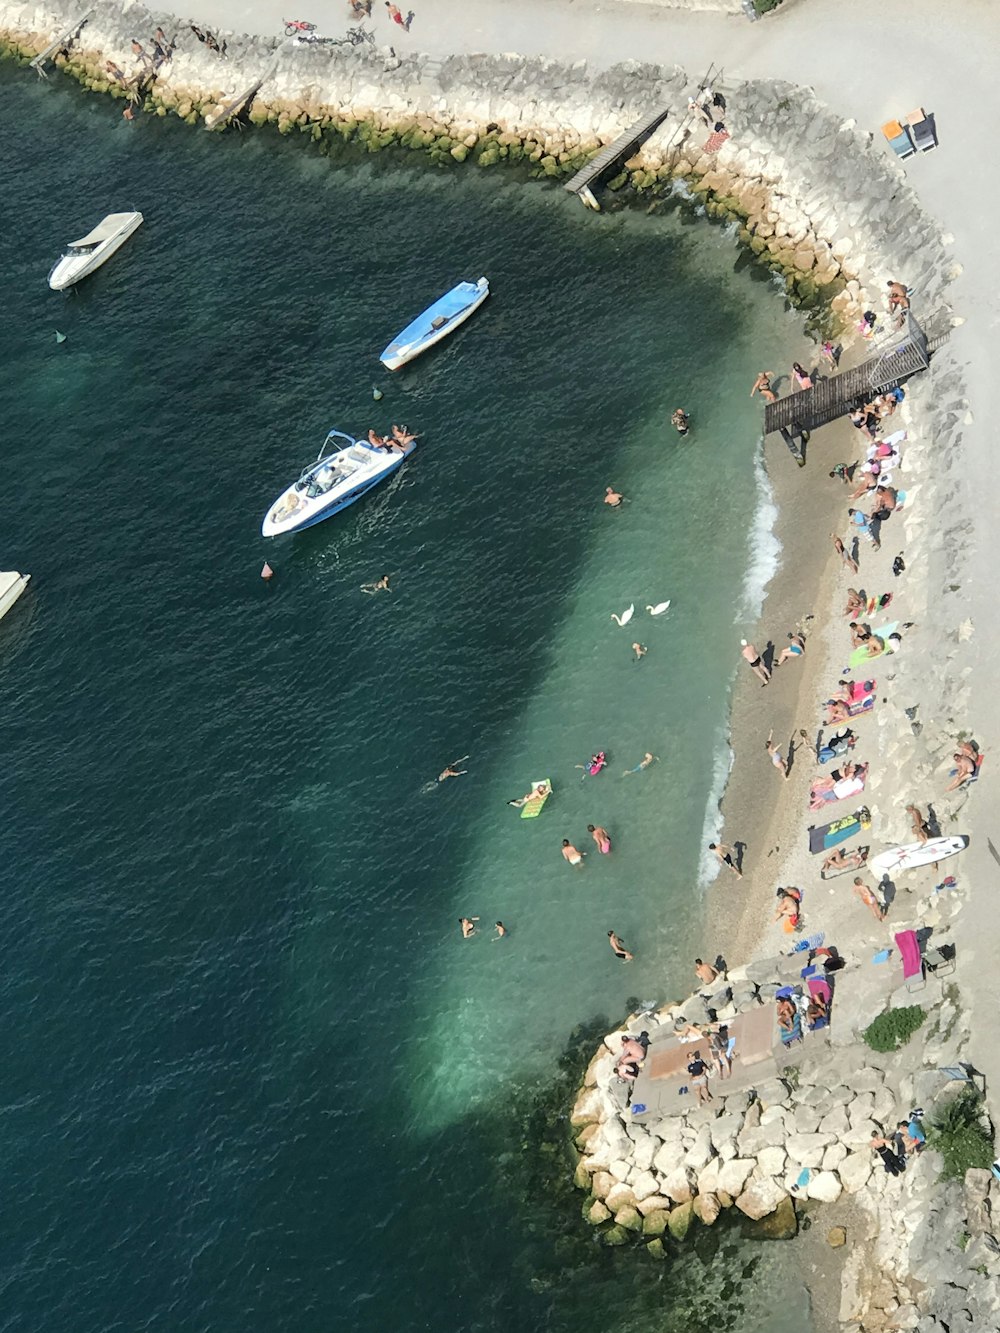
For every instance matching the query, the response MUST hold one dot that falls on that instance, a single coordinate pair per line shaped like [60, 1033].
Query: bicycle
[356, 37]
[292, 26]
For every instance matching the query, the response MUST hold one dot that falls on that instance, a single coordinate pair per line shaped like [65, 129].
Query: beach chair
[941, 960]
[898, 138]
[913, 964]
[922, 129]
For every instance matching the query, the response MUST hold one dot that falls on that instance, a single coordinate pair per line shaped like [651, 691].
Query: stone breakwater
[806, 192]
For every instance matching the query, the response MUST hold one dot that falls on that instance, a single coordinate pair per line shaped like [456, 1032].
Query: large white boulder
[701, 1151]
[807, 1149]
[855, 1170]
[708, 1179]
[668, 1158]
[824, 1186]
[619, 1196]
[646, 1148]
[833, 1156]
[643, 1185]
[735, 1174]
[761, 1198]
[835, 1122]
[771, 1161]
[679, 1185]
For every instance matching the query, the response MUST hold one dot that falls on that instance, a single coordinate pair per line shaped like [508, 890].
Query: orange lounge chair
[898, 137]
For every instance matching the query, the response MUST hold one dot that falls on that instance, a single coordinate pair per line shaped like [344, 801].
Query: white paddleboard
[914, 854]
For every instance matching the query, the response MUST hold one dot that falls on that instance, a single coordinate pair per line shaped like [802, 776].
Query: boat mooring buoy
[377, 395]
[60, 337]
[267, 572]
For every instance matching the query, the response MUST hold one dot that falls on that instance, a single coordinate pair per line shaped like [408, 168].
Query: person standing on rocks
[752, 657]
[891, 1160]
[921, 829]
[705, 972]
[698, 1071]
[861, 891]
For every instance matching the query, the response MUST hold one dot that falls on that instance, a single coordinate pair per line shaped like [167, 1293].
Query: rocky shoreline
[808, 197]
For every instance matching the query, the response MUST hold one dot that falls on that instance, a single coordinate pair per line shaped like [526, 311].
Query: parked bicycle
[356, 37]
[292, 26]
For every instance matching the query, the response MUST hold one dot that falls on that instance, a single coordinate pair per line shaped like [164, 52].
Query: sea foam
[764, 547]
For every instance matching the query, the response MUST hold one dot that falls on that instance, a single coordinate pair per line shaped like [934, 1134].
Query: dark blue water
[253, 1078]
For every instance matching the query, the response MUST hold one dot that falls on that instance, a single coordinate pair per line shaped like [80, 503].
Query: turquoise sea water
[253, 1078]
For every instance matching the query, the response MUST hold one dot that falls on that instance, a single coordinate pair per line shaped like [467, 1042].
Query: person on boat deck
[378, 441]
[402, 434]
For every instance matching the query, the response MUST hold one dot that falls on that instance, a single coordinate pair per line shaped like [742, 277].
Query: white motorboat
[12, 584]
[345, 469]
[89, 252]
[436, 322]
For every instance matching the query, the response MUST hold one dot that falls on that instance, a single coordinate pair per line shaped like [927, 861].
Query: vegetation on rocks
[894, 1029]
[958, 1132]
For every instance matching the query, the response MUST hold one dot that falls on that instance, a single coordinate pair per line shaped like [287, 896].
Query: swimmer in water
[613, 497]
[571, 854]
[619, 949]
[640, 651]
[601, 837]
[644, 762]
[452, 772]
[382, 585]
[468, 924]
[501, 930]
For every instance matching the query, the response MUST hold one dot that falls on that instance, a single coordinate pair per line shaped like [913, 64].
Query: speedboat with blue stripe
[436, 322]
[344, 471]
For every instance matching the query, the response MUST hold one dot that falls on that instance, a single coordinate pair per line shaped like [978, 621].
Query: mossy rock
[284, 125]
[782, 1224]
[445, 143]
[316, 133]
[616, 1235]
[536, 154]
[616, 182]
[582, 1178]
[656, 1249]
[161, 110]
[655, 1223]
[549, 165]
[460, 152]
[258, 115]
[515, 152]
[679, 1221]
[386, 138]
[595, 1212]
[630, 1218]
[192, 119]
[489, 158]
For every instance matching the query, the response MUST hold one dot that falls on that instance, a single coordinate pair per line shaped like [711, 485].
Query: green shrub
[956, 1131]
[894, 1029]
[763, 6]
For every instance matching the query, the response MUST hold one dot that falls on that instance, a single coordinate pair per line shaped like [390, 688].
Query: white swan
[622, 620]
[659, 608]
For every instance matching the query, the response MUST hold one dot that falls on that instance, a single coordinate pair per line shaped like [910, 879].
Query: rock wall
[809, 196]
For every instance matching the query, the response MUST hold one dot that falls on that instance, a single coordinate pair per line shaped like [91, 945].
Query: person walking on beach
[762, 385]
[394, 13]
[726, 857]
[452, 772]
[618, 948]
[468, 924]
[774, 754]
[844, 553]
[570, 853]
[752, 657]
[601, 836]
[640, 651]
[698, 1071]
[680, 421]
[613, 497]
[866, 895]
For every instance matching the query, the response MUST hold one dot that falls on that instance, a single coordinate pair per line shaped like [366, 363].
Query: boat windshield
[75, 250]
[320, 481]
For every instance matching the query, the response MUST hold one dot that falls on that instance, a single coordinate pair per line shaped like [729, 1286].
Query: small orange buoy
[267, 572]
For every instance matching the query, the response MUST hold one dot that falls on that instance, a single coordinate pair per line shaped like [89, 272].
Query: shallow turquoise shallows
[253, 1078]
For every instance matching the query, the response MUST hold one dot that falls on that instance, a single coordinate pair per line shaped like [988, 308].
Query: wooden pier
[895, 360]
[234, 107]
[65, 39]
[580, 183]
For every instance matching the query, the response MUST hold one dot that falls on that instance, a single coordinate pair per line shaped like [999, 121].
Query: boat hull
[12, 585]
[71, 269]
[420, 335]
[295, 509]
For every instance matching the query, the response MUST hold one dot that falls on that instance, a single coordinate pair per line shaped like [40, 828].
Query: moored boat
[12, 584]
[91, 251]
[436, 322]
[344, 471]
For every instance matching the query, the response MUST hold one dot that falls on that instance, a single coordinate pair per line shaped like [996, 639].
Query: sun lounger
[913, 964]
[922, 129]
[898, 138]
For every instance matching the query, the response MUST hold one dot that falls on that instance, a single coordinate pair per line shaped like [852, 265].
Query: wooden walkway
[234, 107]
[831, 398]
[64, 39]
[613, 151]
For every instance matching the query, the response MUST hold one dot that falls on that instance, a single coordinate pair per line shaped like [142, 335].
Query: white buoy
[377, 395]
[60, 337]
[267, 572]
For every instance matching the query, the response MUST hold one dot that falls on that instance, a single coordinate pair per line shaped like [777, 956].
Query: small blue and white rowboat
[333, 482]
[437, 321]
